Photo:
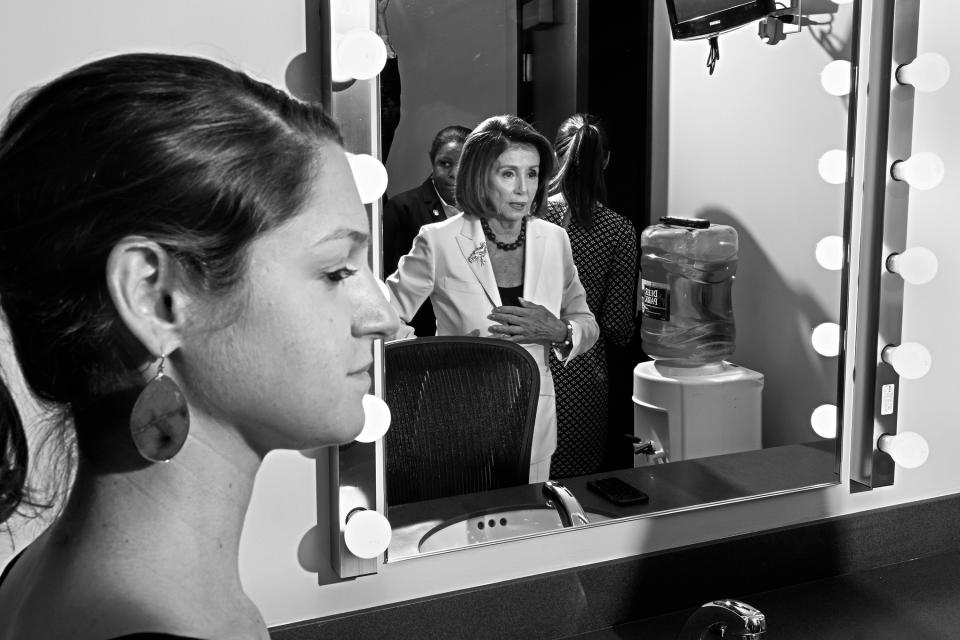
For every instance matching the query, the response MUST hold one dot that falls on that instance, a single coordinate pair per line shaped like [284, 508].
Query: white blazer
[445, 265]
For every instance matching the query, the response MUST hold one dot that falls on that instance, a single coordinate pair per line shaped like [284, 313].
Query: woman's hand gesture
[529, 323]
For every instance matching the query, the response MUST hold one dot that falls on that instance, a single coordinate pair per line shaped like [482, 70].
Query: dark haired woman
[499, 262]
[432, 201]
[605, 251]
[170, 230]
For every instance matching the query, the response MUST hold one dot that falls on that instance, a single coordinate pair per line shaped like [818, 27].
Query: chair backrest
[463, 410]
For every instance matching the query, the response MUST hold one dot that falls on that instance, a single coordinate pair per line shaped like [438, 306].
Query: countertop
[914, 600]
[676, 486]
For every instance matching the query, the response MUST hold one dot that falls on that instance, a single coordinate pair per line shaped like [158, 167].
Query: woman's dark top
[606, 259]
[129, 636]
[510, 296]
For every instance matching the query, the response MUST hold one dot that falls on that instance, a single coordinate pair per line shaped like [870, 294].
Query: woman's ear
[148, 294]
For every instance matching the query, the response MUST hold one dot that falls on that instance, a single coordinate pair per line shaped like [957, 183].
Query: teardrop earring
[160, 420]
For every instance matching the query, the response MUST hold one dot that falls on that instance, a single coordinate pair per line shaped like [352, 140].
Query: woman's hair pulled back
[581, 146]
[180, 150]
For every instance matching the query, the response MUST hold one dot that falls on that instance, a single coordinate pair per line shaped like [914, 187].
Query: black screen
[692, 9]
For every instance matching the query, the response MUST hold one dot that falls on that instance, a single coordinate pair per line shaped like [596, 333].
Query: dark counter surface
[853, 576]
[916, 600]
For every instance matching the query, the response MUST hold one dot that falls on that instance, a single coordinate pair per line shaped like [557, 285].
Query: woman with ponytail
[605, 253]
[171, 231]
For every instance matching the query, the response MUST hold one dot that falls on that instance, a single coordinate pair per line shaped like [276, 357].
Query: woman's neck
[507, 231]
[166, 536]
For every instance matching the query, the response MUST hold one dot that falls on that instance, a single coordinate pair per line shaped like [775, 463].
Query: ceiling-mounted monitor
[692, 19]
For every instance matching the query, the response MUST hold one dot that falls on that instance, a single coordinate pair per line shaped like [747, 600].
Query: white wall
[743, 150]
[48, 37]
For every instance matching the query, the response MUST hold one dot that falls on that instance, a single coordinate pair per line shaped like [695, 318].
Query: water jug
[687, 268]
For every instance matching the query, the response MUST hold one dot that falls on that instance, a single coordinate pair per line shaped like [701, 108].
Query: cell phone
[617, 491]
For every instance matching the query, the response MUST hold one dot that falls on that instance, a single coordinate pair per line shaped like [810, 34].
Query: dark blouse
[510, 296]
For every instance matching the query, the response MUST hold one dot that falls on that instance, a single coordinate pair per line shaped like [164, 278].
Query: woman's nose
[374, 316]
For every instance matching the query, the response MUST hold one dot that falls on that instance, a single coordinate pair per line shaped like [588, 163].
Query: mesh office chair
[463, 410]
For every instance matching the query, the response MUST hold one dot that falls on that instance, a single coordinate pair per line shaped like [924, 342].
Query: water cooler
[690, 401]
[685, 412]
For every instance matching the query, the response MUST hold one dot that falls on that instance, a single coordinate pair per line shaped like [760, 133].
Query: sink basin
[495, 525]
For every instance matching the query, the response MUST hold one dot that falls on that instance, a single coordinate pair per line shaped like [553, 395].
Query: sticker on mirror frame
[887, 394]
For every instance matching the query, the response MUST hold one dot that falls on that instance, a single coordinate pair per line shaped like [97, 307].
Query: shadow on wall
[774, 319]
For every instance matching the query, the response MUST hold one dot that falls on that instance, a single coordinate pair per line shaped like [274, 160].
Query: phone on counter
[617, 491]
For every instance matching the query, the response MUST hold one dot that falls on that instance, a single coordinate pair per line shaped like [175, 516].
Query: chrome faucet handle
[566, 504]
[724, 619]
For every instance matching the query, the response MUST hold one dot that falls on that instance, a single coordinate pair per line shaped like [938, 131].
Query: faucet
[724, 619]
[566, 504]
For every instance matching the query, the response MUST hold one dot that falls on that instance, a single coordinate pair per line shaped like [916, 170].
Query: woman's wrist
[565, 340]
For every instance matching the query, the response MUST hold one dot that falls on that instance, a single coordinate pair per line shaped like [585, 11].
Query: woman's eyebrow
[358, 237]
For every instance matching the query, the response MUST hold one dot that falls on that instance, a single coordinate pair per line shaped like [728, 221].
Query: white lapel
[472, 246]
[533, 260]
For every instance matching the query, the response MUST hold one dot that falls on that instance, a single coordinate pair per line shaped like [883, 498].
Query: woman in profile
[498, 269]
[604, 247]
[170, 230]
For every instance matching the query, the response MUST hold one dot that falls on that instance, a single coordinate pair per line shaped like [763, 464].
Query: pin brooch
[479, 254]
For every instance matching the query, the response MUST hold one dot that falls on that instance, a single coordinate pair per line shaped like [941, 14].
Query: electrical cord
[714, 54]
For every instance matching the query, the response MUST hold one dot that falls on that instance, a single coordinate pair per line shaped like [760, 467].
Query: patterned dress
[606, 259]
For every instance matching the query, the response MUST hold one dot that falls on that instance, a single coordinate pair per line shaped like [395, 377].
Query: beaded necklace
[505, 246]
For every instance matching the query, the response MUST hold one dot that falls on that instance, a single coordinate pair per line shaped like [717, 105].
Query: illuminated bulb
[824, 420]
[835, 78]
[917, 265]
[922, 170]
[833, 166]
[360, 54]
[910, 360]
[830, 253]
[842, 1]
[928, 72]
[908, 449]
[376, 419]
[366, 533]
[826, 339]
[369, 174]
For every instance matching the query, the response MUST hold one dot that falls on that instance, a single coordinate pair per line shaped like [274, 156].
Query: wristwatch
[567, 341]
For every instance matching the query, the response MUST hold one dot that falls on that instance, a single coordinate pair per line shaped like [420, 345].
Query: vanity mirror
[760, 145]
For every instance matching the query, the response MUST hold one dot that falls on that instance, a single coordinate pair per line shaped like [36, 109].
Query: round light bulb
[927, 72]
[824, 421]
[917, 265]
[910, 360]
[826, 339]
[361, 54]
[922, 170]
[829, 253]
[366, 533]
[376, 420]
[369, 174]
[835, 78]
[833, 166]
[908, 449]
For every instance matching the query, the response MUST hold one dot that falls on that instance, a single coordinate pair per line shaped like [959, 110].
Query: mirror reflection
[741, 402]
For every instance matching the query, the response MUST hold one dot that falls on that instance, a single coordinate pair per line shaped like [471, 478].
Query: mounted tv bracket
[774, 28]
[694, 19]
[781, 23]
